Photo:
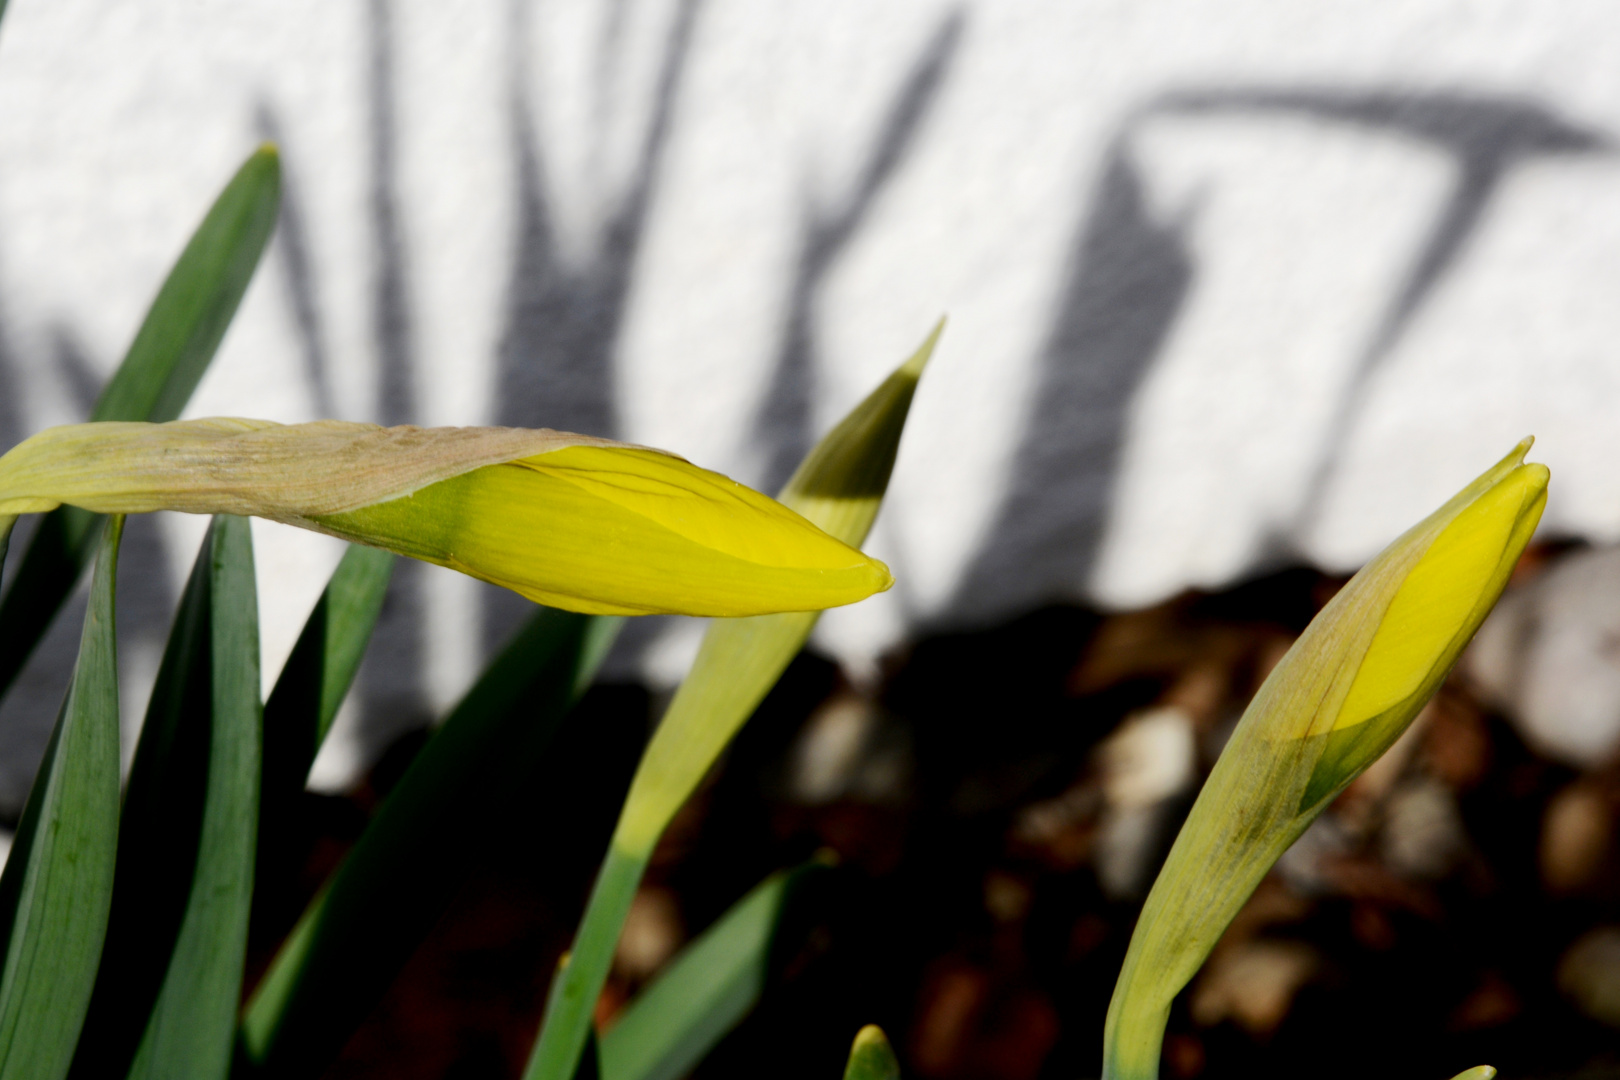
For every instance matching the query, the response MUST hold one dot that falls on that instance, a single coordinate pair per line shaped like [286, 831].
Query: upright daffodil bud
[1346, 690]
[567, 520]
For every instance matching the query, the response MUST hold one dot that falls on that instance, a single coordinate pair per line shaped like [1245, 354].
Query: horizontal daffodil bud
[1348, 688]
[567, 520]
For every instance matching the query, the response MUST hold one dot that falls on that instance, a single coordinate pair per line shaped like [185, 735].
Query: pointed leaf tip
[1517, 454]
[871, 1058]
[925, 352]
[839, 487]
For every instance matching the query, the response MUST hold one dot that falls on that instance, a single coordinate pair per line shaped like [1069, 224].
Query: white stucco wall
[1230, 283]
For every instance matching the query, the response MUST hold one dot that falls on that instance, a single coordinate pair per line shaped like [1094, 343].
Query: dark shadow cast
[145, 602]
[28, 709]
[298, 274]
[146, 598]
[391, 690]
[1127, 281]
[1124, 284]
[785, 428]
[1484, 136]
[563, 315]
[83, 381]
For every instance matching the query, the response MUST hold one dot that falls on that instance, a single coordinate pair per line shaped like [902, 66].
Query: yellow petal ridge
[737, 520]
[640, 539]
[1433, 604]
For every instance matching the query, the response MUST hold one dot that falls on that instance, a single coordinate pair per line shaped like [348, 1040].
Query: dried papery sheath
[567, 520]
[1348, 688]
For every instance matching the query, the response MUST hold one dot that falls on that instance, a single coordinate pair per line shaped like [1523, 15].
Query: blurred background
[1237, 291]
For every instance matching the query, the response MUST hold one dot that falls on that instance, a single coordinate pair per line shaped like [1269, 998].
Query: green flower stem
[839, 487]
[572, 1002]
[740, 661]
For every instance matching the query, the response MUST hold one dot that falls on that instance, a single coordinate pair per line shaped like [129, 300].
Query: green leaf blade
[323, 663]
[404, 871]
[157, 839]
[165, 997]
[707, 989]
[57, 886]
[192, 1025]
[194, 307]
[170, 352]
[309, 691]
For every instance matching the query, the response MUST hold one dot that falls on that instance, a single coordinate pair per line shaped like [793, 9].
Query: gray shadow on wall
[291, 243]
[1124, 283]
[390, 686]
[564, 315]
[1127, 280]
[1485, 137]
[146, 599]
[785, 429]
[145, 602]
[28, 709]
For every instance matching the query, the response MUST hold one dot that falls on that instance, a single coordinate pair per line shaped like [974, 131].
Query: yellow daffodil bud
[567, 520]
[1348, 688]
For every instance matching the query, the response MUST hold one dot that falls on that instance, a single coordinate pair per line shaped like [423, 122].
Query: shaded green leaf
[312, 685]
[171, 350]
[57, 885]
[707, 989]
[322, 666]
[165, 998]
[193, 1024]
[872, 1058]
[157, 840]
[404, 871]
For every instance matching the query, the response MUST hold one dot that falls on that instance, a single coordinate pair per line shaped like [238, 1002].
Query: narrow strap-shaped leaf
[191, 1030]
[57, 885]
[172, 349]
[312, 685]
[158, 837]
[322, 666]
[404, 871]
[165, 1000]
[839, 486]
[193, 309]
[707, 989]
[871, 1058]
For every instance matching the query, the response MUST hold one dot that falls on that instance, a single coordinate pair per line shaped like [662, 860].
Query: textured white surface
[1182, 246]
